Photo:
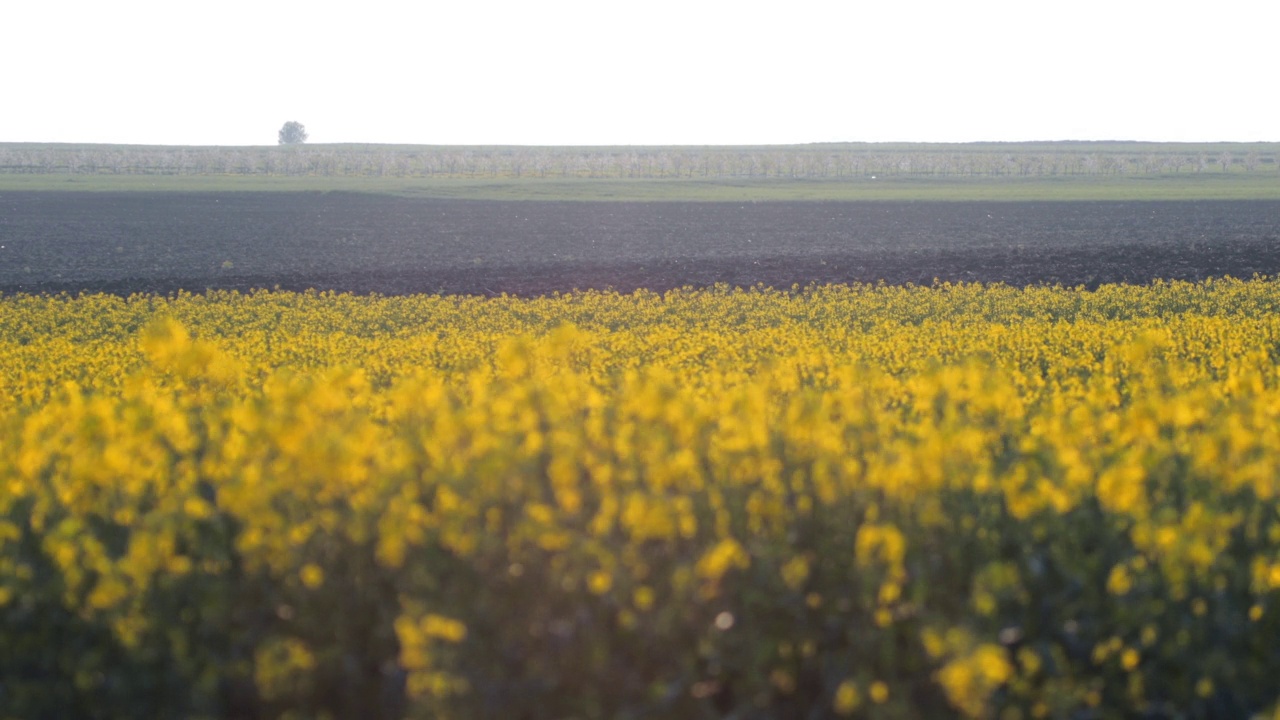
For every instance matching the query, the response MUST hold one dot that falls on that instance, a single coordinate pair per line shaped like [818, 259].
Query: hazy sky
[651, 72]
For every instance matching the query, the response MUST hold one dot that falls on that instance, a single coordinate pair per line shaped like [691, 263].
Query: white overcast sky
[636, 73]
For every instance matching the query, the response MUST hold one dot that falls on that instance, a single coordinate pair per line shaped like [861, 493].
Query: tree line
[713, 162]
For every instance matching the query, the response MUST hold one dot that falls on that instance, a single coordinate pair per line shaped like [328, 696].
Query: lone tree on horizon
[293, 133]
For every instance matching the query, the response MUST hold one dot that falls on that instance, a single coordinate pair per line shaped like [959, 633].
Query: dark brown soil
[142, 242]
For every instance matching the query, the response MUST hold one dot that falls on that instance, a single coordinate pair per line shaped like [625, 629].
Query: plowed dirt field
[163, 242]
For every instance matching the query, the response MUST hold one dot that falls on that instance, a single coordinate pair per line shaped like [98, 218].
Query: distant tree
[293, 133]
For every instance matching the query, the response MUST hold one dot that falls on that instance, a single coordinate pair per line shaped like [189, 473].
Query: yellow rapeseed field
[866, 501]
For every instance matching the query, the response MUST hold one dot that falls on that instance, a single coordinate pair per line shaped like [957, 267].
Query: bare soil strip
[164, 242]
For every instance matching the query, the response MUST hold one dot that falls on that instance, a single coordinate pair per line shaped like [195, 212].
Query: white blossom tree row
[805, 161]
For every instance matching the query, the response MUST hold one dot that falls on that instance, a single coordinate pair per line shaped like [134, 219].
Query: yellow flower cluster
[861, 501]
